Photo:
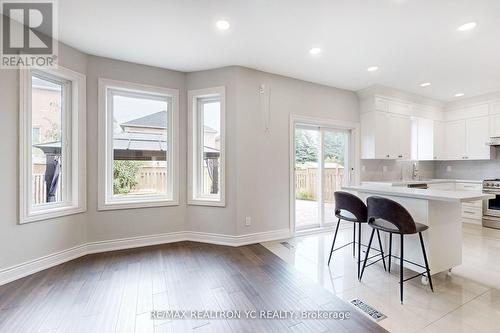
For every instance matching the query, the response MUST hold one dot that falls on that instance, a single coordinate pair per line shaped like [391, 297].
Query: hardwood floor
[116, 292]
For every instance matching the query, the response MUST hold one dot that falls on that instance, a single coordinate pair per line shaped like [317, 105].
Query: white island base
[443, 239]
[440, 210]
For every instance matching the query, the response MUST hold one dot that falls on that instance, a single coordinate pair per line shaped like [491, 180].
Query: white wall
[20, 243]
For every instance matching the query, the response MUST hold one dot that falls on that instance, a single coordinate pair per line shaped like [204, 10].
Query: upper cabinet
[394, 128]
[476, 138]
[454, 139]
[427, 139]
[495, 120]
[385, 136]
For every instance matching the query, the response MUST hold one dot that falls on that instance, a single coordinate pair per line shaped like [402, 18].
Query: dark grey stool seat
[389, 216]
[350, 208]
[387, 226]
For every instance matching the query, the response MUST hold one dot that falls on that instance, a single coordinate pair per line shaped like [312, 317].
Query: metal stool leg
[401, 268]
[333, 243]
[381, 250]
[366, 256]
[425, 260]
[359, 248]
[390, 252]
[354, 241]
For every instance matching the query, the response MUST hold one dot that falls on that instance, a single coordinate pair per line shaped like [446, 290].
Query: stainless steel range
[491, 207]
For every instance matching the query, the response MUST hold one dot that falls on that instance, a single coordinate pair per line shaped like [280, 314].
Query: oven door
[491, 207]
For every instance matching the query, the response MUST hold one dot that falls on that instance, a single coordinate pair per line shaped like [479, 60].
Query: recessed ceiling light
[459, 94]
[467, 26]
[315, 51]
[425, 84]
[372, 68]
[222, 25]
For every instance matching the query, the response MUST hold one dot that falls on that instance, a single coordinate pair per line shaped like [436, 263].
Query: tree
[306, 146]
[124, 175]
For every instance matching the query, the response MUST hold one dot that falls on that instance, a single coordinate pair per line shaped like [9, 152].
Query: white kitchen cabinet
[455, 140]
[477, 135]
[427, 139]
[442, 186]
[466, 139]
[472, 211]
[495, 125]
[439, 149]
[385, 136]
[400, 131]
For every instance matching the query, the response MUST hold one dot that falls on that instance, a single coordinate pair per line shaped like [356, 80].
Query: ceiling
[411, 41]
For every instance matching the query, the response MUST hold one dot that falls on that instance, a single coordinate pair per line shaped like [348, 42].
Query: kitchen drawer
[468, 187]
[472, 213]
[442, 186]
[477, 204]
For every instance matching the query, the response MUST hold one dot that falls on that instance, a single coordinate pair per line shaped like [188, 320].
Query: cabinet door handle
[468, 212]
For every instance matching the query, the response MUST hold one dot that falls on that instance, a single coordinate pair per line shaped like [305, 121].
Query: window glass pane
[307, 152]
[140, 158]
[209, 168]
[46, 129]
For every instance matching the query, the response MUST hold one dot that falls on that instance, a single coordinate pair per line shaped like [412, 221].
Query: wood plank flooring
[116, 292]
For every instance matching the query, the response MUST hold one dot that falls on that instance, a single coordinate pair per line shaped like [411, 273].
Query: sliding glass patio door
[321, 167]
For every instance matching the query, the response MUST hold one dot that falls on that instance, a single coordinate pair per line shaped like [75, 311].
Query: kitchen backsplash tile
[473, 170]
[394, 170]
[402, 170]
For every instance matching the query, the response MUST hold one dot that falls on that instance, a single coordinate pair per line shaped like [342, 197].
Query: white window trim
[77, 142]
[193, 96]
[104, 202]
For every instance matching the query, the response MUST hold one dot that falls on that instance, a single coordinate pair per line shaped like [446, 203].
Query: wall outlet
[448, 168]
[248, 221]
[384, 168]
[363, 168]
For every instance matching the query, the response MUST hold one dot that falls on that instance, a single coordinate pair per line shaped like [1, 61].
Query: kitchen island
[439, 209]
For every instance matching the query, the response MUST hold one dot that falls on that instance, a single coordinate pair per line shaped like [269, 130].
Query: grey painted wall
[19, 243]
[257, 162]
[105, 225]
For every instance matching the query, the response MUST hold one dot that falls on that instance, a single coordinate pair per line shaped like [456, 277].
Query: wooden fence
[39, 189]
[306, 183]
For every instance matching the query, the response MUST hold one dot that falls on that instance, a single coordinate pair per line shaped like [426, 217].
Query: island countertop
[416, 193]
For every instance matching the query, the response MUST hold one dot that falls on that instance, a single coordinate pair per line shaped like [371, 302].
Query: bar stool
[350, 208]
[389, 216]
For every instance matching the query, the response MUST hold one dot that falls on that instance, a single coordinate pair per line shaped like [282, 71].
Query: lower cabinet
[472, 211]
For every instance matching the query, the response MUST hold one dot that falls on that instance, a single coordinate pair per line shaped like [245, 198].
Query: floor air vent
[287, 245]
[369, 310]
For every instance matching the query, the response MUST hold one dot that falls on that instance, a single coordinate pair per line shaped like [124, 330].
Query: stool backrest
[351, 203]
[391, 211]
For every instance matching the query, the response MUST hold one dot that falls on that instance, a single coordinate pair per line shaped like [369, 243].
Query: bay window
[206, 147]
[52, 143]
[138, 145]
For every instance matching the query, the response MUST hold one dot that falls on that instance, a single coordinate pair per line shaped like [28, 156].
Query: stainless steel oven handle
[491, 192]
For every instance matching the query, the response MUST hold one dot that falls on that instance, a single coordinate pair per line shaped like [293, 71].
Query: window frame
[105, 176]
[73, 139]
[194, 145]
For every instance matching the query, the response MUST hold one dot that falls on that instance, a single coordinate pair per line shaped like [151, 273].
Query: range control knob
[497, 184]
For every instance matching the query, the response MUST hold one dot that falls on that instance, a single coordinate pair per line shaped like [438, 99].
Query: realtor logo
[28, 34]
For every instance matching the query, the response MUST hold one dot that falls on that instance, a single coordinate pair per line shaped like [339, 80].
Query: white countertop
[422, 181]
[425, 194]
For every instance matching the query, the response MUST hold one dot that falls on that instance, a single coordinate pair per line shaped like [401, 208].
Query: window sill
[51, 214]
[116, 205]
[206, 202]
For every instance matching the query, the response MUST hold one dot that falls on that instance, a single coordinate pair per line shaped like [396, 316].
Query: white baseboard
[36, 265]
[29, 267]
